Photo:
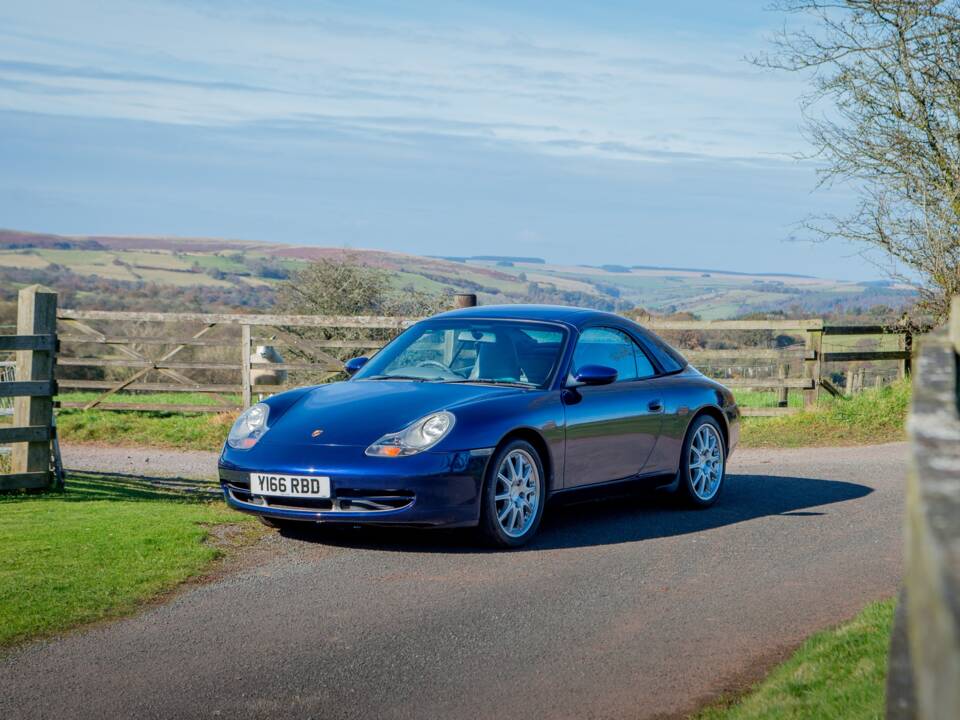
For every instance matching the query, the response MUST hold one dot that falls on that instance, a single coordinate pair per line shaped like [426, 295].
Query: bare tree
[339, 286]
[345, 286]
[884, 115]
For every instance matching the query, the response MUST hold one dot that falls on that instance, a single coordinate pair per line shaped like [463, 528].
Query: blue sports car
[478, 417]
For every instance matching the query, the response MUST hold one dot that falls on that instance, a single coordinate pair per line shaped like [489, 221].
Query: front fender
[485, 424]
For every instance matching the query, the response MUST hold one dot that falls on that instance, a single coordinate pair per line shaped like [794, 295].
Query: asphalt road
[629, 607]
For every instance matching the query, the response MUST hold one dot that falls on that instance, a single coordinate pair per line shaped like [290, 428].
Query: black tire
[686, 486]
[282, 524]
[490, 525]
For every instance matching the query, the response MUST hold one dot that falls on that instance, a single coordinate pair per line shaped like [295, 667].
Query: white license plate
[290, 485]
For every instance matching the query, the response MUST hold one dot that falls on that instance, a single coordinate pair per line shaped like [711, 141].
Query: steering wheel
[436, 363]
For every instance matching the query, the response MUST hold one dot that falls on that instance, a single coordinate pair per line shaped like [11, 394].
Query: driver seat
[497, 360]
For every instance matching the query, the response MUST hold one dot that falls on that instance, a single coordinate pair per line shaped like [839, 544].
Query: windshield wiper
[484, 381]
[395, 377]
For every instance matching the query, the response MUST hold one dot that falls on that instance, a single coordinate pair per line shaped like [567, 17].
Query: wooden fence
[812, 353]
[171, 354]
[924, 677]
[33, 388]
[240, 332]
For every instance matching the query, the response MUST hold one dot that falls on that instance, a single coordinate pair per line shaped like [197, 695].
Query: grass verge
[838, 673]
[101, 548]
[183, 431]
[874, 416]
[153, 398]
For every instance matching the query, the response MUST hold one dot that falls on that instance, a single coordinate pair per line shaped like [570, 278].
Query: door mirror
[354, 364]
[595, 375]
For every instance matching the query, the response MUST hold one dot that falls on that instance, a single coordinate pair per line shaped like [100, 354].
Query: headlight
[421, 435]
[249, 427]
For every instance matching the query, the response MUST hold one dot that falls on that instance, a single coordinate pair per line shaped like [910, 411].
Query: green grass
[761, 399]
[157, 398]
[874, 416]
[183, 431]
[839, 673]
[100, 549]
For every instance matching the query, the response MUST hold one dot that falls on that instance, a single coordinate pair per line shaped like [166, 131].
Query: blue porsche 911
[478, 417]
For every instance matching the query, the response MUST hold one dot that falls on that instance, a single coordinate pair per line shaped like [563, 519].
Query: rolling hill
[118, 272]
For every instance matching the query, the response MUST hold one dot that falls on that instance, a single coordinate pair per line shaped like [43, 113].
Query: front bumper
[429, 489]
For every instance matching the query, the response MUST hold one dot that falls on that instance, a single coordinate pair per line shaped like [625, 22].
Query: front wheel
[282, 523]
[513, 495]
[703, 465]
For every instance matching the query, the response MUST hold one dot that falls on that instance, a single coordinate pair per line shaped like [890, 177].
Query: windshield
[465, 350]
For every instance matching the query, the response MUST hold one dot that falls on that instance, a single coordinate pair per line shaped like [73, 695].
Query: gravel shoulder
[140, 461]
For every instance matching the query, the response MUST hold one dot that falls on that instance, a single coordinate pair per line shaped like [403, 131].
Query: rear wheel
[703, 465]
[513, 495]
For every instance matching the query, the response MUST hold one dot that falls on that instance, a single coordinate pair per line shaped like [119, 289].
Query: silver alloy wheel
[517, 495]
[706, 462]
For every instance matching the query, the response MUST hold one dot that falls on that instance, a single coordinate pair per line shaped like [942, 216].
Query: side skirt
[612, 487]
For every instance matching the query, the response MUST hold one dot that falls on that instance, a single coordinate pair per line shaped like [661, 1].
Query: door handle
[655, 406]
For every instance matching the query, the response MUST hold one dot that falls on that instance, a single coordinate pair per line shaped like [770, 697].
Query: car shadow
[630, 515]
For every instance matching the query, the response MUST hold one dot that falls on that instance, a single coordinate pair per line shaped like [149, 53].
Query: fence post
[36, 315]
[905, 343]
[246, 399]
[782, 373]
[855, 376]
[814, 366]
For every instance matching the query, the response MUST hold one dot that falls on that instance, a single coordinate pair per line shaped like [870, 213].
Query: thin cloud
[545, 86]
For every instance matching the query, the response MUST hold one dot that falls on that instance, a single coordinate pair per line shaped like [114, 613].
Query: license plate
[290, 485]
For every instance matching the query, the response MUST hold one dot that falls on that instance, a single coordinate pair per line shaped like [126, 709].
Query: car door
[611, 429]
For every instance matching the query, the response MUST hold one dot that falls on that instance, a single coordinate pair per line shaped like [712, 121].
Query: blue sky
[611, 132]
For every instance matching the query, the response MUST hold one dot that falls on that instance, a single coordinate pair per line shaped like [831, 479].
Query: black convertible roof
[558, 313]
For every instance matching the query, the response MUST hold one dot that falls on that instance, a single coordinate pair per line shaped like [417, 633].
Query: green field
[401, 279]
[163, 259]
[839, 673]
[101, 548]
[227, 263]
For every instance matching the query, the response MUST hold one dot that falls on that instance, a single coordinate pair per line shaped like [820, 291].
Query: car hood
[361, 412]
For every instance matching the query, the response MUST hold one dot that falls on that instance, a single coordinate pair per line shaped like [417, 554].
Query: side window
[645, 368]
[609, 347]
[670, 360]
